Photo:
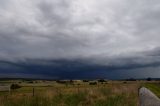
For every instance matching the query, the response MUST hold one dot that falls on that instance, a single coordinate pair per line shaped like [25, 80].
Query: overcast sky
[103, 31]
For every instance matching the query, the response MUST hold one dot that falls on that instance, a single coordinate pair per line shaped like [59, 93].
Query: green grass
[40, 100]
[118, 100]
[27, 101]
[154, 87]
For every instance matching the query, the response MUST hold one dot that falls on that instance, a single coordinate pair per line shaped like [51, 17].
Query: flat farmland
[77, 93]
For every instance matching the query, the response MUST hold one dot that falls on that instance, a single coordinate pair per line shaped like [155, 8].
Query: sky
[105, 38]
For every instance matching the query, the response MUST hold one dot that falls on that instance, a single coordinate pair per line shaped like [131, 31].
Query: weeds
[110, 95]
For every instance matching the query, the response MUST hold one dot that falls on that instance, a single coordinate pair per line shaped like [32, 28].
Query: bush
[71, 82]
[93, 83]
[61, 82]
[15, 86]
[85, 81]
[31, 82]
[149, 79]
[101, 80]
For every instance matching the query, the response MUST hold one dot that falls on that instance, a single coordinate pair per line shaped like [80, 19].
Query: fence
[5, 88]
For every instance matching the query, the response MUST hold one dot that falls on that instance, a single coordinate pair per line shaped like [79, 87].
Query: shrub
[149, 79]
[101, 80]
[85, 81]
[93, 83]
[15, 86]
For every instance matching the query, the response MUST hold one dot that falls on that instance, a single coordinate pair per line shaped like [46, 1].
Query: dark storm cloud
[118, 34]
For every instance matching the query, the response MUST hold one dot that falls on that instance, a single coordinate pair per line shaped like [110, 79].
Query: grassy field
[154, 87]
[51, 93]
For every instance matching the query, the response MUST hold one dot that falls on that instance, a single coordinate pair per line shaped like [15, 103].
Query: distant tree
[85, 81]
[71, 81]
[15, 86]
[30, 82]
[131, 79]
[93, 83]
[61, 81]
[101, 80]
[149, 79]
[65, 81]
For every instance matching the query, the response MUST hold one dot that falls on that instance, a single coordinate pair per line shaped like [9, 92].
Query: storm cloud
[118, 34]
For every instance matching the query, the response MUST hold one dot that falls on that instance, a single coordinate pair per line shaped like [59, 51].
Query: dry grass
[111, 94]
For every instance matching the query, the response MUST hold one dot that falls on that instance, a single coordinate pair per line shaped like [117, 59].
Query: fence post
[33, 91]
[9, 90]
[78, 88]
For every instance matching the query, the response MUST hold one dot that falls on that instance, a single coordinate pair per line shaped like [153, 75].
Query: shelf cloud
[110, 33]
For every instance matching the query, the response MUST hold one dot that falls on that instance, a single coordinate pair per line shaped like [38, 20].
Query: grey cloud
[105, 32]
[54, 14]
